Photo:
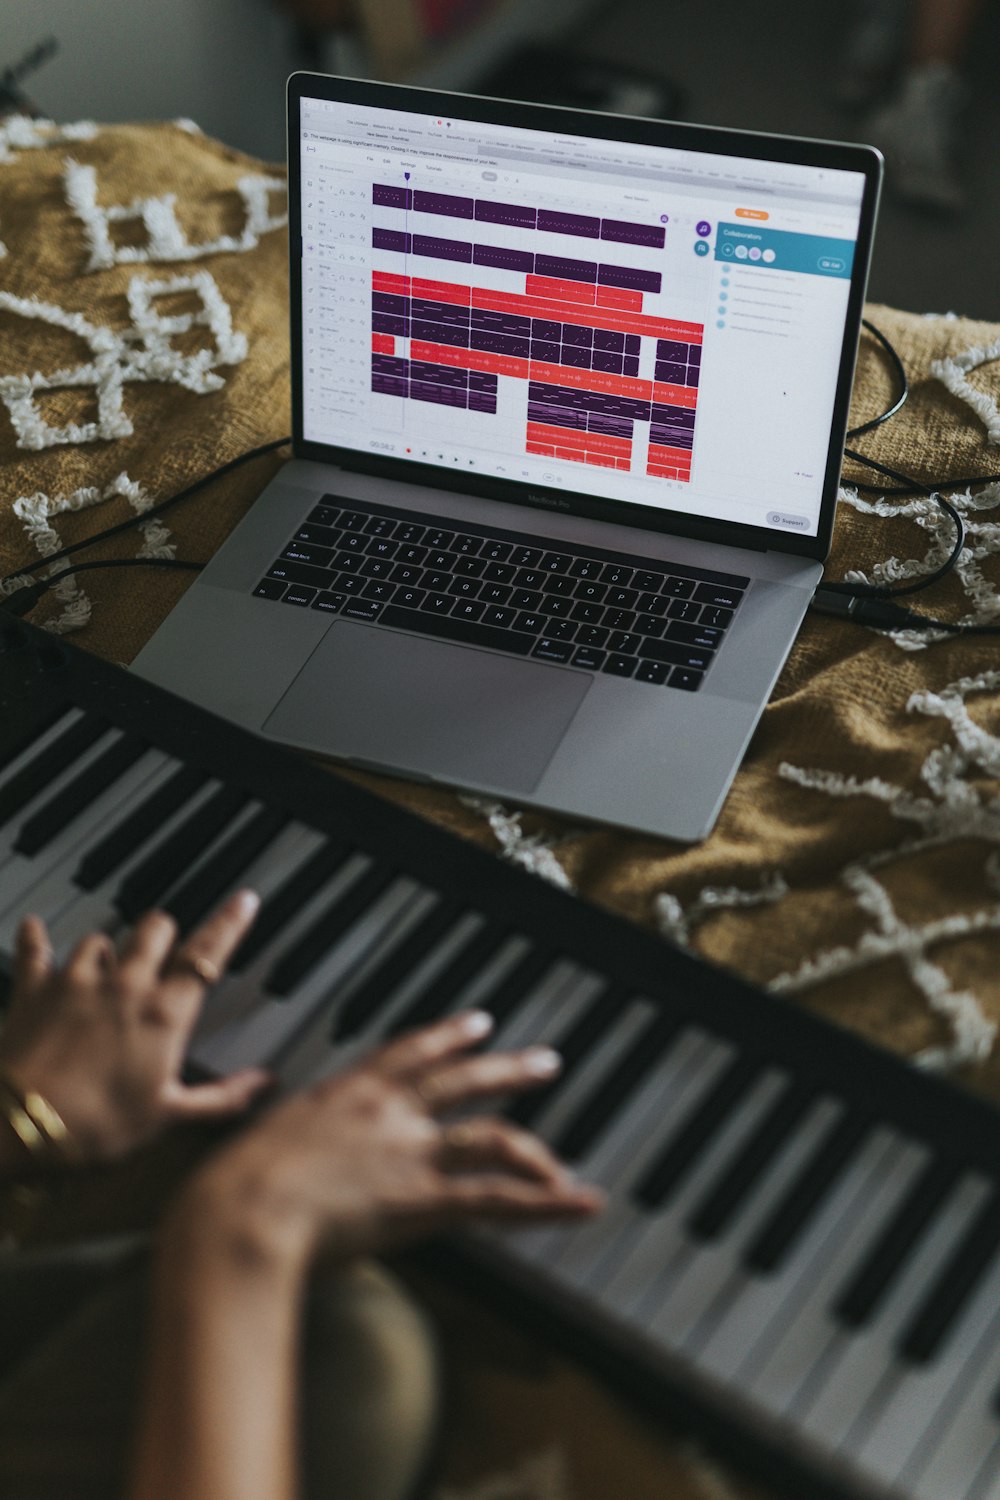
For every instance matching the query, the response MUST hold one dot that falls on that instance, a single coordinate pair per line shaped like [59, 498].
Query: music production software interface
[647, 325]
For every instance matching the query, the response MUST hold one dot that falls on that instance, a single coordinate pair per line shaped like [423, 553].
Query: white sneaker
[918, 133]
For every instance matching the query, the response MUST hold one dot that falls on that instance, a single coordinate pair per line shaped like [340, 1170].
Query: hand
[103, 1038]
[360, 1162]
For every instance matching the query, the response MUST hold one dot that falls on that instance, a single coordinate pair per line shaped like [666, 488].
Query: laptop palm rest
[447, 712]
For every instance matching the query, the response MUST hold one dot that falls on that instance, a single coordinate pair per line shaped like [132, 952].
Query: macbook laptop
[569, 399]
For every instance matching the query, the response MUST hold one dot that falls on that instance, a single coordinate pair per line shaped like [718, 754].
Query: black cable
[157, 510]
[24, 599]
[902, 380]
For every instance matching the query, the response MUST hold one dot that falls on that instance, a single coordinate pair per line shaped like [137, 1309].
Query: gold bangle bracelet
[37, 1124]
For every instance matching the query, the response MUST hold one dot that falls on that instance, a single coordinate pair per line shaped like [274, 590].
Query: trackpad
[429, 707]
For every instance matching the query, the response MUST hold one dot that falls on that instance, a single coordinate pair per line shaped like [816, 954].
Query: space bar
[466, 631]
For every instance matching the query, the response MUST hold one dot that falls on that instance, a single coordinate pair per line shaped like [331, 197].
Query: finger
[473, 1145]
[471, 1078]
[498, 1196]
[203, 956]
[33, 957]
[92, 959]
[409, 1056]
[146, 948]
[218, 1100]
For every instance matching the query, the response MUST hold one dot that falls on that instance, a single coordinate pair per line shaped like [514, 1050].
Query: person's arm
[352, 1166]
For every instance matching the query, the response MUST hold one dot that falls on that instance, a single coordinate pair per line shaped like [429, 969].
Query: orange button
[752, 213]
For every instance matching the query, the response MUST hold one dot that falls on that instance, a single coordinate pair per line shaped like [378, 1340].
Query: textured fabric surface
[856, 864]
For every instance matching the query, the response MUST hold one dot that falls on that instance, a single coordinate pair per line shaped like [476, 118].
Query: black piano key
[288, 899]
[17, 736]
[599, 1108]
[332, 922]
[142, 823]
[860, 1296]
[516, 985]
[77, 795]
[50, 763]
[572, 1046]
[953, 1285]
[671, 1164]
[715, 1210]
[434, 998]
[144, 886]
[376, 990]
[781, 1229]
[194, 898]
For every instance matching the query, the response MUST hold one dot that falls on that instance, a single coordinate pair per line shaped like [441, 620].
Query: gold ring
[460, 1137]
[198, 966]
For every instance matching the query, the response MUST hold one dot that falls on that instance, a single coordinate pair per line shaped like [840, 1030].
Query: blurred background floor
[767, 67]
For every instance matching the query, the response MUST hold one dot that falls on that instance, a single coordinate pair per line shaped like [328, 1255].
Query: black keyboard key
[495, 593]
[649, 625]
[686, 679]
[627, 642]
[675, 654]
[561, 630]
[470, 567]
[588, 659]
[293, 572]
[325, 515]
[50, 763]
[526, 557]
[573, 1046]
[320, 557]
[652, 671]
[587, 614]
[348, 562]
[685, 609]
[443, 561]
[467, 609]
[269, 588]
[561, 608]
[103, 858]
[224, 869]
[380, 526]
[619, 666]
[726, 1195]
[618, 574]
[327, 929]
[618, 619]
[77, 795]
[598, 1109]
[645, 580]
[499, 616]
[467, 545]
[441, 992]
[621, 598]
[376, 990]
[376, 567]
[379, 546]
[296, 594]
[285, 903]
[378, 589]
[353, 541]
[352, 520]
[464, 588]
[529, 622]
[592, 635]
[144, 886]
[530, 578]
[434, 537]
[329, 603]
[406, 573]
[436, 580]
[559, 586]
[414, 555]
[499, 572]
[680, 1153]
[464, 631]
[437, 604]
[718, 619]
[694, 635]
[555, 562]
[366, 610]
[323, 536]
[550, 650]
[589, 567]
[718, 595]
[954, 1284]
[652, 604]
[409, 532]
[409, 598]
[525, 599]
[859, 1298]
[678, 588]
[496, 551]
[349, 583]
[783, 1225]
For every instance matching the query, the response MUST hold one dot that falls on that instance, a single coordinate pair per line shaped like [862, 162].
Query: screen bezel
[864, 160]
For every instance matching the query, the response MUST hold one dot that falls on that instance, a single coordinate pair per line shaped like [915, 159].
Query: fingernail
[477, 1023]
[542, 1061]
[246, 901]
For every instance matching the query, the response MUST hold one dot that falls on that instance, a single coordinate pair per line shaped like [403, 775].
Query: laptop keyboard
[593, 610]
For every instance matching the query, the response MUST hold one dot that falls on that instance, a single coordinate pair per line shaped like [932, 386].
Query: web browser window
[658, 327]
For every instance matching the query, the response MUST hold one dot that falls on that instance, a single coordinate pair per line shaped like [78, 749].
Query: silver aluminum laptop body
[769, 239]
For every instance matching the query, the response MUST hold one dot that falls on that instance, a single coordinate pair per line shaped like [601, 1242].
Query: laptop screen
[657, 326]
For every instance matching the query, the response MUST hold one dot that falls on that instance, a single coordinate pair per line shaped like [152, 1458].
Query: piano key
[573, 1047]
[28, 806]
[20, 737]
[439, 995]
[725, 1197]
[37, 768]
[67, 804]
[225, 868]
[286, 901]
[865, 1360]
[46, 886]
[597, 1109]
[748, 1319]
[936, 1429]
[335, 918]
[148, 881]
[669, 1168]
[859, 1299]
[368, 998]
[778, 1236]
[789, 1353]
[507, 996]
[164, 800]
[934, 1319]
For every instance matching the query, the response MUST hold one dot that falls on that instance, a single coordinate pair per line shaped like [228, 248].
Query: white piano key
[620, 1035]
[794, 1340]
[860, 1378]
[86, 911]
[548, 1012]
[623, 1152]
[48, 877]
[938, 1428]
